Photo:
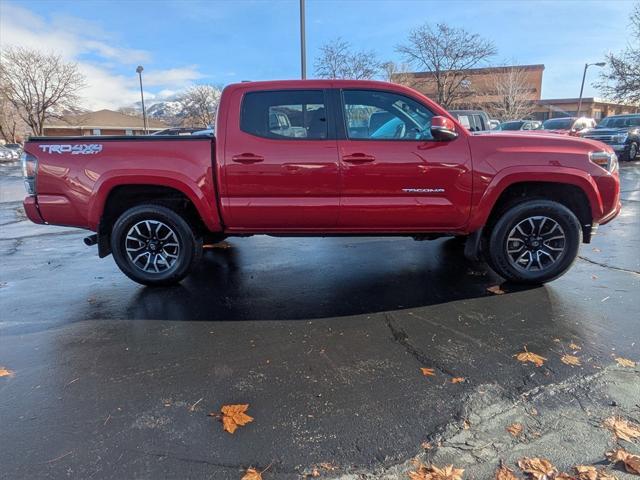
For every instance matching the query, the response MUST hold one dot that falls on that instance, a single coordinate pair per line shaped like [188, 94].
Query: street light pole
[303, 46]
[584, 75]
[144, 112]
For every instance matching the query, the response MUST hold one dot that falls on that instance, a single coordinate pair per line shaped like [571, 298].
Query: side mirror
[443, 129]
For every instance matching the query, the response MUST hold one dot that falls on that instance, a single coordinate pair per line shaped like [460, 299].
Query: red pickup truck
[326, 157]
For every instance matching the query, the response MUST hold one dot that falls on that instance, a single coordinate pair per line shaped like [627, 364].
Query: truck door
[395, 177]
[281, 168]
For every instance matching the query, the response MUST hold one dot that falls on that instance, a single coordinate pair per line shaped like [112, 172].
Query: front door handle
[358, 158]
[247, 158]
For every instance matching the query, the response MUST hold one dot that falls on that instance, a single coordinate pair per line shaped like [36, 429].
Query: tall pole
[303, 44]
[584, 75]
[144, 111]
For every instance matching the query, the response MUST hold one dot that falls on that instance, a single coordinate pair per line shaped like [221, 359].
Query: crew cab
[321, 158]
[621, 132]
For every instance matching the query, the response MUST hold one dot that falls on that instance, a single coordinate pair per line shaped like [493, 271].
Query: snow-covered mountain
[163, 109]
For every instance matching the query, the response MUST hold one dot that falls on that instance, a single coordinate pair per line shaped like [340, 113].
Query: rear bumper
[30, 205]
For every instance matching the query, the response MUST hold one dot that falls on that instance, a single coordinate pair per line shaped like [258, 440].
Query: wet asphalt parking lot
[324, 338]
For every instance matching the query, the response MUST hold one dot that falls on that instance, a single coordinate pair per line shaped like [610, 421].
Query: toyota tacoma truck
[322, 158]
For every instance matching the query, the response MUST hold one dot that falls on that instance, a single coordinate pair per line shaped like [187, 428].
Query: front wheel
[153, 245]
[534, 242]
[632, 153]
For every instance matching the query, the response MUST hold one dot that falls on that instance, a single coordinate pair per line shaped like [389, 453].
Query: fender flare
[534, 174]
[102, 189]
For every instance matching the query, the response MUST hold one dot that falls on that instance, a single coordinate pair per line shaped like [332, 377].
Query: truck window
[285, 114]
[377, 115]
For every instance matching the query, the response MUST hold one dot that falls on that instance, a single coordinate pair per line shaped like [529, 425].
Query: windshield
[511, 126]
[558, 124]
[620, 122]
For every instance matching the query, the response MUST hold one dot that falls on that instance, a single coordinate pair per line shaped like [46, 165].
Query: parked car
[524, 202]
[472, 120]
[520, 125]
[569, 125]
[14, 146]
[621, 132]
[8, 155]
[177, 131]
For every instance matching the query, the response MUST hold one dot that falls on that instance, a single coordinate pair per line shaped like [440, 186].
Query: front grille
[601, 138]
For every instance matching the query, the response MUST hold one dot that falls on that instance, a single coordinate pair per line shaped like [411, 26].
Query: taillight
[29, 172]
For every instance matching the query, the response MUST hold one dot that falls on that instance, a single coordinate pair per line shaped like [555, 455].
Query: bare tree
[508, 95]
[11, 125]
[38, 85]
[621, 80]
[397, 73]
[338, 60]
[446, 53]
[199, 105]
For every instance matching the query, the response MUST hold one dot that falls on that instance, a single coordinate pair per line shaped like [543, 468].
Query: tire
[534, 242]
[630, 154]
[153, 245]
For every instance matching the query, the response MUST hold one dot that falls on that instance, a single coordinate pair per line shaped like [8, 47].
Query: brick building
[480, 83]
[102, 122]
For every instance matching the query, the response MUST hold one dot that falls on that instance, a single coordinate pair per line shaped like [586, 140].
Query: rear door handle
[358, 158]
[247, 158]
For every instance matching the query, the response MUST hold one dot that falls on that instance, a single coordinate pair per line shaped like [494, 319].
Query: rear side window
[286, 114]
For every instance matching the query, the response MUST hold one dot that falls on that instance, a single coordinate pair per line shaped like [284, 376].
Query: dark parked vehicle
[178, 131]
[472, 120]
[621, 132]
[569, 125]
[520, 125]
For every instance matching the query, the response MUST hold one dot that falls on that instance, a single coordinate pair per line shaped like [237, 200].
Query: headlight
[29, 171]
[620, 138]
[606, 160]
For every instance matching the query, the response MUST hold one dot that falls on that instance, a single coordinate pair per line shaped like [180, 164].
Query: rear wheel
[534, 242]
[154, 245]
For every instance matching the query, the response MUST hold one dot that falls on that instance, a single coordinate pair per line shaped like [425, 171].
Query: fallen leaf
[631, 461]
[538, 468]
[515, 429]
[315, 472]
[602, 475]
[428, 372]
[233, 416]
[586, 472]
[434, 473]
[4, 372]
[426, 445]
[457, 380]
[564, 476]
[622, 428]
[570, 360]
[496, 290]
[573, 346]
[466, 425]
[527, 356]
[625, 362]
[505, 473]
[252, 474]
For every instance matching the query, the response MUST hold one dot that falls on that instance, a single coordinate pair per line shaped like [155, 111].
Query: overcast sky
[182, 42]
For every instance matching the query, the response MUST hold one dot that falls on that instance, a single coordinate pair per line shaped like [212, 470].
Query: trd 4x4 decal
[77, 149]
